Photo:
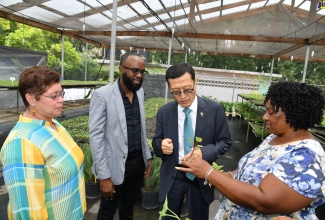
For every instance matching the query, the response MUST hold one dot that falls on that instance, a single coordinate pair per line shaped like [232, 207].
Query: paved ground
[229, 160]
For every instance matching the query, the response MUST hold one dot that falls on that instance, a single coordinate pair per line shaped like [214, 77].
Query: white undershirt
[181, 118]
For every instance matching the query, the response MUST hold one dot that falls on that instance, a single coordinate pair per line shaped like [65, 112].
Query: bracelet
[231, 174]
[207, 175]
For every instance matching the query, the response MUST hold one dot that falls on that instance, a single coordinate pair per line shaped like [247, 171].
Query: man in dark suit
[208, 122]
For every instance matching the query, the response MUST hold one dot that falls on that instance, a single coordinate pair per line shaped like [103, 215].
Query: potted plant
[150, 188]
[91, 184]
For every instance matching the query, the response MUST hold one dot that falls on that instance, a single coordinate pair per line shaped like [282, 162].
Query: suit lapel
[119, 107]
[172, 124]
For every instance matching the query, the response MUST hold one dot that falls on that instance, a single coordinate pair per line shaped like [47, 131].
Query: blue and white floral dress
[299, 164]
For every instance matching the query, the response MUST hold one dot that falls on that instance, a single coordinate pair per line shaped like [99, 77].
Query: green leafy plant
[216, 166]
[152, 182]
[165, 209]
[227, 106]
[253, 96]
[88, 161]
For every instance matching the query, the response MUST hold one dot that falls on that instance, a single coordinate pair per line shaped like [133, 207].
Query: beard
[129, 83]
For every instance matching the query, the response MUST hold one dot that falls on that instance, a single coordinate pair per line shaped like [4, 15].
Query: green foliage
[152, 105]
[88, 161]
[152, 182]
[165, 209]
[323, 121]
[217, 167]
[244, 109]
[78, 128]
[156, 70]
[76, 82]
[106, 77]
[253, 96]
[227, 106]
[258, 129]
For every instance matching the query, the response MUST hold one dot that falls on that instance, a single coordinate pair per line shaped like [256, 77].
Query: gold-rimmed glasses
[56, 96]
[185, 91]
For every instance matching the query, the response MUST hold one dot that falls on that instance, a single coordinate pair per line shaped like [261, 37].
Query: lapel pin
[201, 114]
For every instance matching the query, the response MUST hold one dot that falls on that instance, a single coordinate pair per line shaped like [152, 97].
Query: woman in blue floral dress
[285, 174]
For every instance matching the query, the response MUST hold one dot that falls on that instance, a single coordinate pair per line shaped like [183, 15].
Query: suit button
[123, 157]
[126, 143]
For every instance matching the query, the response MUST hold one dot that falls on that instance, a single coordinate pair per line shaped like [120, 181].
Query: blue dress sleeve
[302, 170]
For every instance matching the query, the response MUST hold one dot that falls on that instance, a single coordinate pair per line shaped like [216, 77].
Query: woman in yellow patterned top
[42, 165]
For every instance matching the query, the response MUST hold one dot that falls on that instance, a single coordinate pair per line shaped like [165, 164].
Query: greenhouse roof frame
[270, 29]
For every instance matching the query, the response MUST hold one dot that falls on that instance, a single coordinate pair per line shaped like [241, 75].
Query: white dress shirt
[181, 119]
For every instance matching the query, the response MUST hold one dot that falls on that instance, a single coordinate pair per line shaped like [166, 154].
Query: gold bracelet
[207, 175]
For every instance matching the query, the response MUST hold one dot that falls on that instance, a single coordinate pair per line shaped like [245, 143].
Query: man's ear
[120, 69]
[30, 99]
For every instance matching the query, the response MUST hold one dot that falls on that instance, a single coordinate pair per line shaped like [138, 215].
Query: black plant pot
[92, 190]
[149, 199]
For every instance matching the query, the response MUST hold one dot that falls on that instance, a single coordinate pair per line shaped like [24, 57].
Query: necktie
[188, 135]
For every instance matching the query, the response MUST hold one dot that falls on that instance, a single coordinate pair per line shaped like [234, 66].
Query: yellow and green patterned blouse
[43, 172]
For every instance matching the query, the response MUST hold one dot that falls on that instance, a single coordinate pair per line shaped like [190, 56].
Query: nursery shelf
[259, 111]
[256, 128]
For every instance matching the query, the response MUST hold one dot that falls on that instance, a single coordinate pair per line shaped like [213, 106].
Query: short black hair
[178, 70]
[126, 55]
[302, 104]
[36, 80]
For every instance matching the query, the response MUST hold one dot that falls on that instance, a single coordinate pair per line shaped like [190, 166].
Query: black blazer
[211, 126]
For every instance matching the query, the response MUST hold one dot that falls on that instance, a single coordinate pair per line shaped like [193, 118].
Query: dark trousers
[126, 193]
[198, 208]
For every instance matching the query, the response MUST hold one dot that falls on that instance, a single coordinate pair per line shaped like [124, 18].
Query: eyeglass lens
[136, 70]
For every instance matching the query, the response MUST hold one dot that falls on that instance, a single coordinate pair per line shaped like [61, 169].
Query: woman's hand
[195, 165]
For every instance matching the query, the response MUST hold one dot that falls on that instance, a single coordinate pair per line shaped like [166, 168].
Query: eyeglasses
[185, 91]
[135, 71]
[55, 97]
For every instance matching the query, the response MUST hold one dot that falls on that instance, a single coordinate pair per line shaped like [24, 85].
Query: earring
[33, 110]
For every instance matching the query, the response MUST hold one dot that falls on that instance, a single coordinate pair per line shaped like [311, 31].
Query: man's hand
[107, 189]
[167, 146]
[147, 171]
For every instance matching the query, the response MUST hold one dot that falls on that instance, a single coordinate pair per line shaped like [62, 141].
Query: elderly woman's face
[275, 121]
[50, 103]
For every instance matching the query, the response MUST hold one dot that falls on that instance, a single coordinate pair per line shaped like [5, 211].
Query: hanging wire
[158, 18]
[189, 21]
[119, 16]
[304, 26]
